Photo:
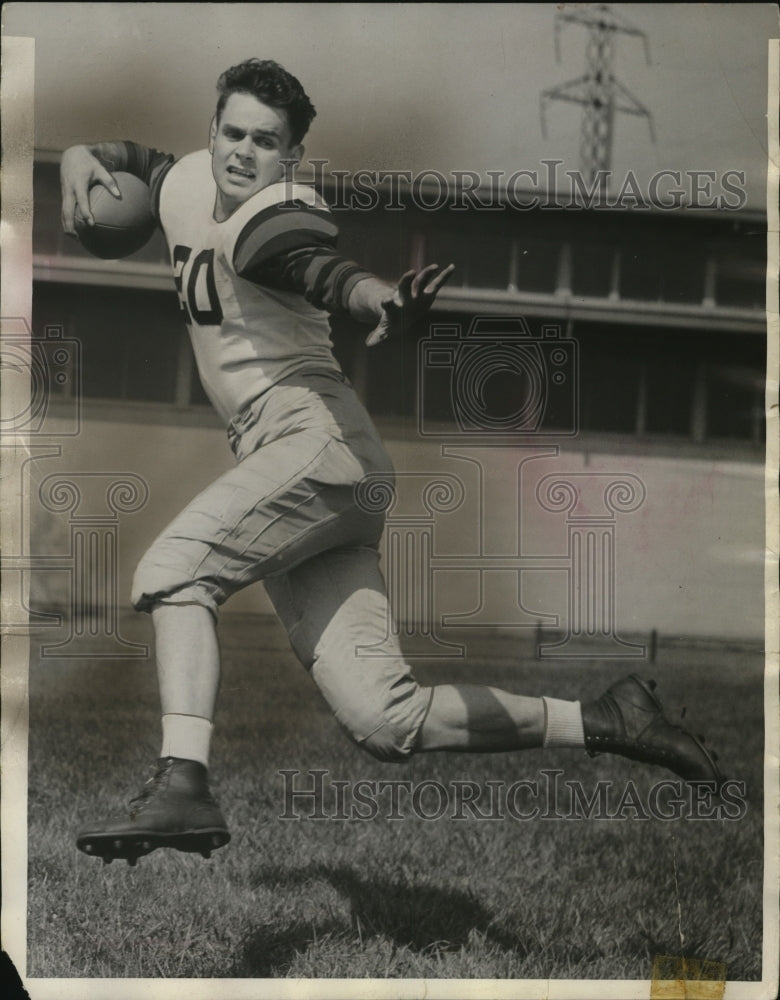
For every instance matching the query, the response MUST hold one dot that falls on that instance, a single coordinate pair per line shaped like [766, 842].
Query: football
[122, 225]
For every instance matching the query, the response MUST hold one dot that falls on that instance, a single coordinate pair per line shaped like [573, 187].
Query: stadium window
[741, 282]
[735, 404]
[394, 390]
[665, 260]
[456, 238]
[682, 274]
[640, 274]
[669, 389]
[129, 338]
[663, 270]
[537, 265]
[592, 265]
[665, 383]
[487, 263]
[386, 254]
[441, 245]
[649, 383]
[609, 388]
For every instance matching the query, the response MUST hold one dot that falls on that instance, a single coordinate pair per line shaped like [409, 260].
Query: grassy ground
[407, 898]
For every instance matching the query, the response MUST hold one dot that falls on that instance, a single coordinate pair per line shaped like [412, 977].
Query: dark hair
[273, 85]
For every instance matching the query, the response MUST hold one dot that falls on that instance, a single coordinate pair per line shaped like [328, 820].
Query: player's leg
[628, 720]
[188, 669]
[175, 808]
[184, 634]
[287, 500]
[482, 719]
[335, 610]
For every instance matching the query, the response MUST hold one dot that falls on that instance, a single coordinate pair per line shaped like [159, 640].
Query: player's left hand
[411, 300]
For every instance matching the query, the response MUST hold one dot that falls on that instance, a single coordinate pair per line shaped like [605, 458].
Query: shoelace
[150, 788]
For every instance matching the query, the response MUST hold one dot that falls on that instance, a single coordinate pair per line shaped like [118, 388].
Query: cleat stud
[88, 848]
[206, 854]
[118, 845]
[132, 862]
[107, 861]
[146, 846]
[215, 840]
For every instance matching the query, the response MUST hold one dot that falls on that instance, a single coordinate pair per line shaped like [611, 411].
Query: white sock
[186, 736]
[563, 724]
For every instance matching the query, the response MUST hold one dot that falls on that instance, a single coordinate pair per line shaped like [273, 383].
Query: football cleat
[175, 809]
[629, 720]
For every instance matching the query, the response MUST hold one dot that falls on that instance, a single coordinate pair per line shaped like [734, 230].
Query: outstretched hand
[412, 299]
[79, 171]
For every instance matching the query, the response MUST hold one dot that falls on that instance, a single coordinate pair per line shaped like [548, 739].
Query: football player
[257, 271]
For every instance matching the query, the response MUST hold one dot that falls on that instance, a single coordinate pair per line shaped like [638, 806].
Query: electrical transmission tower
[600, 94]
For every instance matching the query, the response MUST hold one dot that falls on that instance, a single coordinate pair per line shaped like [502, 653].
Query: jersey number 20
[196, 286]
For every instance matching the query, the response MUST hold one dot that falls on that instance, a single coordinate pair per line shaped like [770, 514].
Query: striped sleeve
[292, 247]
[151, 166]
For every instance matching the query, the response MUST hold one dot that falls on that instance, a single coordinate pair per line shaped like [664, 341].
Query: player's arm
[84, 166]
[292, 247]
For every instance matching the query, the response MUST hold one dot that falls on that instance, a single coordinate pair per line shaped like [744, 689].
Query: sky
[410, 86]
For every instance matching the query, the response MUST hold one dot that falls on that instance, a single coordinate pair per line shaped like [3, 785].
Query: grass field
[408, 898]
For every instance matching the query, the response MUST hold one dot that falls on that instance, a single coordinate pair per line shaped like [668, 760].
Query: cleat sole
[132, 846]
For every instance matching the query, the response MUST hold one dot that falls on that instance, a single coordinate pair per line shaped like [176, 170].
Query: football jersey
[240, 281]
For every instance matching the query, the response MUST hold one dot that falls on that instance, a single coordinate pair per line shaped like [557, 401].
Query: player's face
[246, 145]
